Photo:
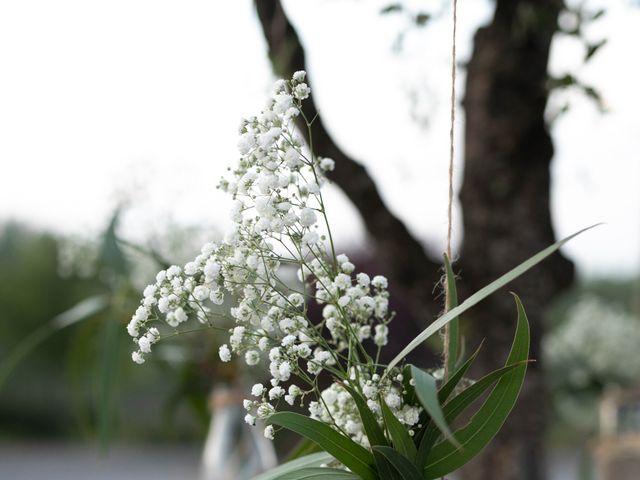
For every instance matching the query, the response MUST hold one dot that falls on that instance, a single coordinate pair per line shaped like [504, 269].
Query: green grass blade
[385, 469]
[304, 447]
[427, 392]
[454, 325]
[371, 427]
[317, 473]
[427, 436]
[83, 310]
[450, 385]
[480, 295]
[400, 437]
[446, 457]
[406, 469]
[113, 341]
[355, 457]
[456, 406]
[308, 461]
[374, 432]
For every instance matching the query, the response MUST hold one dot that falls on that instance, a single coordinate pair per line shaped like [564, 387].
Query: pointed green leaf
[403, 466]
[450, 385]
[374, 432]
[112, 256]
[349, 453]
[308, 461]
[454, 325]
[370, 424]
[427, 392]
[445, 457]
[479, 296]
[385, 469]
[83, 310]
[458, 405]
[428, 434]
[304, 447]
[318, 473]
[400, 437]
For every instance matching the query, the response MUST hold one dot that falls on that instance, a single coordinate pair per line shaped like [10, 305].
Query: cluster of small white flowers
[277, 211]
[336, 406]
[177, 295]
[581, 349]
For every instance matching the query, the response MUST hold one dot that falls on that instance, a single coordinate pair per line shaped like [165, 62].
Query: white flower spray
[280, 221]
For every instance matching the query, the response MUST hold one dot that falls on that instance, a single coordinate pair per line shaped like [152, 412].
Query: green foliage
[69, 373]
[403, 465]
[297, 466]
[445, 457]
[427, 391]
[400, 438]
[32, 293]
[433, 459]
[480, 295]
[353, 456]
[454, 326]
[434, 450]
[318, 474]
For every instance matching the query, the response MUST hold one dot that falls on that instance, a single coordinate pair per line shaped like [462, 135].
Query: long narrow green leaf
[445, 457]
[458, 405]
[427, 392]
[304, 447]
[480, 295]
[453, 346]
[374, 433]
[385, 469]
[83, 310]
[308, 461]
[353, 456]
[113, 342]
[400, 437]
[403, 466]
[317, 473]
[422, 437]
[450, 385]
[370, 424]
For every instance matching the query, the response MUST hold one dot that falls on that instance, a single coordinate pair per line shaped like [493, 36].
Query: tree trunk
[505, 200]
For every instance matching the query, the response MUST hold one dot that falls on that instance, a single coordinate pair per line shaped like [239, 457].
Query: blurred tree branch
[404, 259]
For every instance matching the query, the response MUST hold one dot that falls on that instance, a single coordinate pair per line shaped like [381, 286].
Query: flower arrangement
[374, 421]
[591, 330]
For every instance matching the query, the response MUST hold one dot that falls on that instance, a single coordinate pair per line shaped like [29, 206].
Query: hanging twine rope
[450, 200]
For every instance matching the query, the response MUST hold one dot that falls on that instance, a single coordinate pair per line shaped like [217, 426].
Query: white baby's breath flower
[257, 390]
[308, 217]
[252, 357]
[276, 189]
[224, 353]
[137, 358]
[327, 164]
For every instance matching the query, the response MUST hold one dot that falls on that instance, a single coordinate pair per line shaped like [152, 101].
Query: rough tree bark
[505, 199]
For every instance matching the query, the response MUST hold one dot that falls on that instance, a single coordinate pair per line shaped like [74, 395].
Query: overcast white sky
[140, 100]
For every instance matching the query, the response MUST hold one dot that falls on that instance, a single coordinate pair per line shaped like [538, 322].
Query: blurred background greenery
[70, 375]
[74, 379]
